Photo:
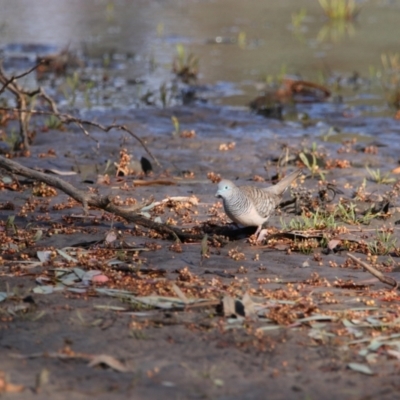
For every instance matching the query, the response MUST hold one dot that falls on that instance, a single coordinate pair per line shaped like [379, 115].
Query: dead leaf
[7, 387]
[396, 170]
[204, 247]
[228, 306]
[333, 244]
[248, 304]
[109, 361]
[232, 307]
[43, 256]
[180, 294]
[59, 172]
[62, 253]
[281, 247]
[42, 379]
[363, 368]
[394, 353]
[100, 279]
[111, 237]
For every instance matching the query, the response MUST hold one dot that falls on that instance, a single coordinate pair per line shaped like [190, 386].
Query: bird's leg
[258, 230]
[262, 235]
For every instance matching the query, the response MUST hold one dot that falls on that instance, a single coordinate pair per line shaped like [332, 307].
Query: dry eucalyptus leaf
[363, 368]
[109, 361]
[248, 304]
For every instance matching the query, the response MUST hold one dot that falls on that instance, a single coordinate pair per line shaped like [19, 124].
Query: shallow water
[259, 38]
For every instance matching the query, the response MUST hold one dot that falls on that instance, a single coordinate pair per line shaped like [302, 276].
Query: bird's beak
[218, 195]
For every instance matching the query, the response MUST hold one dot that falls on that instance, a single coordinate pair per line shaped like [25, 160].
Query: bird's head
[225, 189]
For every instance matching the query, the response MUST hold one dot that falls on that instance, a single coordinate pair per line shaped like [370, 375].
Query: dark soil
[198, 352]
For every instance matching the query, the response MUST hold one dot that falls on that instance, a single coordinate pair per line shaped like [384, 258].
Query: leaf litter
[256, 303]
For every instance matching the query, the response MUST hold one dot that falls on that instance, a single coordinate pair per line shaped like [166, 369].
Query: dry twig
[22, 98]
[383, 278]
[25, 113]
[68, 119]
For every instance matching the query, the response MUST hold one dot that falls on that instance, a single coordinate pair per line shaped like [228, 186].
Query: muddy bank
[317, 316]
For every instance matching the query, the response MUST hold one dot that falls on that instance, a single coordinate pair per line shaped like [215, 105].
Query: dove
[250, 205]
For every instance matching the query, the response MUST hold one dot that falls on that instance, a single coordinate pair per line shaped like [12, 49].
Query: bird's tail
[283, 184]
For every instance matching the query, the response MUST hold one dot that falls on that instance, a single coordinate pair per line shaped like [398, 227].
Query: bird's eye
[226, 187]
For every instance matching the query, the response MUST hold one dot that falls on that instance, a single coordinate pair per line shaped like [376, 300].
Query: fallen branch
[92, 200]
[383, 278]
[93, 359]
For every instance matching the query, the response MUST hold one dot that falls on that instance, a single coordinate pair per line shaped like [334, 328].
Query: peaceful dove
[250, 205]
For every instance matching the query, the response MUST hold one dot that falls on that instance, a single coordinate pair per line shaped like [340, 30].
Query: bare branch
[67, 119]
[7, 82]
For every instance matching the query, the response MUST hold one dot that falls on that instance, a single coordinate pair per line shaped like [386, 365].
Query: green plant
[340, 9]
[276, 80]
[10, 224]
[310, 160]
[13, 138]
[53, 122]
[242, 41]
[378, 177]
[164, 95]
[347, 212]
[383, 244]
[298, 18]
[73, 85]
[336, 30]
[184, 65]
[175, 123]
[86, 94]
[313, 221]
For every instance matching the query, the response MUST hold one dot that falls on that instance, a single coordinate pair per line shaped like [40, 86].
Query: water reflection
[235, 41]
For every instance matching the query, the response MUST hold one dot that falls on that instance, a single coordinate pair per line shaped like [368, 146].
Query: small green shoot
[86, 94]
[276, 80]
[10, 224]
[377, 177]
[298, 18]
[160, 29]
[348, 214]
[340, 9]
[336, 30]
[309, 159]
[164, 95]
[242, 41]
[13, 138]
[185, 66]
[53, 122]
[314, 221]
[390, 78]
[384, 243]
[73, 82]
[175, 123]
